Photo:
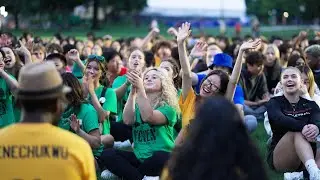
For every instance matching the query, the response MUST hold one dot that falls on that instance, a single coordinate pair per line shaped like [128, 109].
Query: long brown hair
[103, 78]
[177, 80]
[76, 96]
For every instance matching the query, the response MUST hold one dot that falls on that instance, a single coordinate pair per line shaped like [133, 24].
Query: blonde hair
[312, 85]
[275, 50]
[168, 91]
[292, 68]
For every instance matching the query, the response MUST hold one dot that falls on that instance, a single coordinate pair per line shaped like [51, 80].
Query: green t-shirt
[76, 70]
[110, 104]
[89, 121]
[17, 113]
[150, 138]
[6, 106]
[118, 82]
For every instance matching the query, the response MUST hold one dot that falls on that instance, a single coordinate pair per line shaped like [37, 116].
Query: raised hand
[303, 34]
[155, 31]
[73, 55]
[74, 123]
[183, 32]
[29, 45]
[199, 50]
[172, 31]
[136, 81]
[23, 50]
[251, 44]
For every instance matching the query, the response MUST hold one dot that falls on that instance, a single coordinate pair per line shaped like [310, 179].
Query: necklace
[293, 105]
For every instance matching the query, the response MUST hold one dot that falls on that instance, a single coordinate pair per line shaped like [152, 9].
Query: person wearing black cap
[35, 148]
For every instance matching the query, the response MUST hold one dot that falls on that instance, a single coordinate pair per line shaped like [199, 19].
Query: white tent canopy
[197, 8]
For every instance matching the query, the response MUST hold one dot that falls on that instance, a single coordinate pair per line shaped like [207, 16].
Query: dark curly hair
[216, 147]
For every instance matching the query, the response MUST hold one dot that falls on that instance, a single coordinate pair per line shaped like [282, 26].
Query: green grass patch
[129, 30]
[260, 138]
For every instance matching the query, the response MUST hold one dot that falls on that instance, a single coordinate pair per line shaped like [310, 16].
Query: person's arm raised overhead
[183, 33]
[234, 78]
[129, 117]
[23, 50]
[172, 31]
[74, 55]
[198, 52]
[149, 37]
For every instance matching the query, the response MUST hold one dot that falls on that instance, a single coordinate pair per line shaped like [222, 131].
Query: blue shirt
[238, 94]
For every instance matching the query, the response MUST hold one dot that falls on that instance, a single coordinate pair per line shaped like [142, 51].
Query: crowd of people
[155, 108]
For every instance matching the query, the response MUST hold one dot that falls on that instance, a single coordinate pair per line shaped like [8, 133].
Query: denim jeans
[250, 122]
[257, 111]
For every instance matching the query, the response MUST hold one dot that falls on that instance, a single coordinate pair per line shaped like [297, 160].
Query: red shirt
[123, 71]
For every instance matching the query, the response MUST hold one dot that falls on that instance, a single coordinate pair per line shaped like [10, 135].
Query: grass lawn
[129, 30]
[260, 138]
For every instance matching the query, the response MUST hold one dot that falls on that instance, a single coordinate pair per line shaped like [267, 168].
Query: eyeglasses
[99, 58]
[207, 82]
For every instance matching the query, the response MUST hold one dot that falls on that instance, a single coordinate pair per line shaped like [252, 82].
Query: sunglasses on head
[99, 58]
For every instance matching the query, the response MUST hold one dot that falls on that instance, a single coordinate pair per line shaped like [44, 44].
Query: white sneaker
[126, 145]
[293, 176]
[151, 178]
[315, 176]
[107, 175]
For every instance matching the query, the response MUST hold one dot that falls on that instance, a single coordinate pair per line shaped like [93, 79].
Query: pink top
[68, 69]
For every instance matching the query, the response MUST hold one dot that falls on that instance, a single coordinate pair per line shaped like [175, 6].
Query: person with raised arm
[215, 83]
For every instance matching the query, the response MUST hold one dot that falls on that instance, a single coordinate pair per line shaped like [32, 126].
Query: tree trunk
[16, 19]
[95, 24]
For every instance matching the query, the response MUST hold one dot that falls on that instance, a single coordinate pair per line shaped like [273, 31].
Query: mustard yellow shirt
[45, 152]
[157, 61]
[187, 107]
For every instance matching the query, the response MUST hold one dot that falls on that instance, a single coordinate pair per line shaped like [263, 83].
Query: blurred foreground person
[217, 147]
[36, 147]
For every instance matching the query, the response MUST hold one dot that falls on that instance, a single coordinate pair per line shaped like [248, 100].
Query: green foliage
[126, 6]
[261, 8]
